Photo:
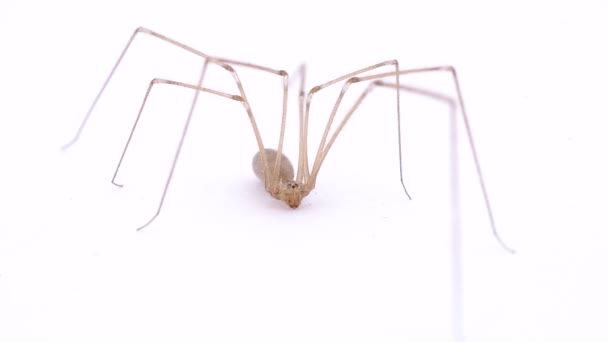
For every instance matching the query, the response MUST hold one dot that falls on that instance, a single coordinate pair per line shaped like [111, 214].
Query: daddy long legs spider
[270, 165]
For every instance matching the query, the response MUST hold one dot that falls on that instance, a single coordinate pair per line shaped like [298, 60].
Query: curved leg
[224, 63]
[181, 142]
[469, 132]
[324, 149]
[310, 177]
[302, 158]
[402, 87]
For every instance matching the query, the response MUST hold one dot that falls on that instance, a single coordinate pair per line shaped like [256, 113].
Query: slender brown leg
[350, 78]
[157, 81]
[225, 64]
[324, 149]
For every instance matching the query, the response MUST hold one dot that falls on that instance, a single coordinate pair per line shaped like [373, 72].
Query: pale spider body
[270, 165]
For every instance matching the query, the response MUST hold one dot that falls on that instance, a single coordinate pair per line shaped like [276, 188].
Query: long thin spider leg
[197, 88]
[184, 132]
[350, 79]
[364, 94]
[325, 147]
[219, 61]
[419, 91]
[199, 84]
[469, 132]
[270, 179]
[301, 74]
[302, 154]
[98, 96]
[277, 162]
[482, 182]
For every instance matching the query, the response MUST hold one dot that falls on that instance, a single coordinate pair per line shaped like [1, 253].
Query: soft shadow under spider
[270, 165]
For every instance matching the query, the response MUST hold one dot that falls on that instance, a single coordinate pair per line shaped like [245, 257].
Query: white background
[357, 261]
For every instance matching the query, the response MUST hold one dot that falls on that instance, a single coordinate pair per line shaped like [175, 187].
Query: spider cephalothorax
[281, 186]
[289, 192]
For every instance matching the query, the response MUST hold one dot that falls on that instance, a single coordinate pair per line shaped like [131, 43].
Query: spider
[270, 165]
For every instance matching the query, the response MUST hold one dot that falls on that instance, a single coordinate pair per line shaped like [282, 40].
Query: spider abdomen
[285, 172]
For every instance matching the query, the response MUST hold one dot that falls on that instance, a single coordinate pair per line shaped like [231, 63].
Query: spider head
[291, 193]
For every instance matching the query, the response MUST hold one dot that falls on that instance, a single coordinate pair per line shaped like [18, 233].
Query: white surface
[357, 261]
